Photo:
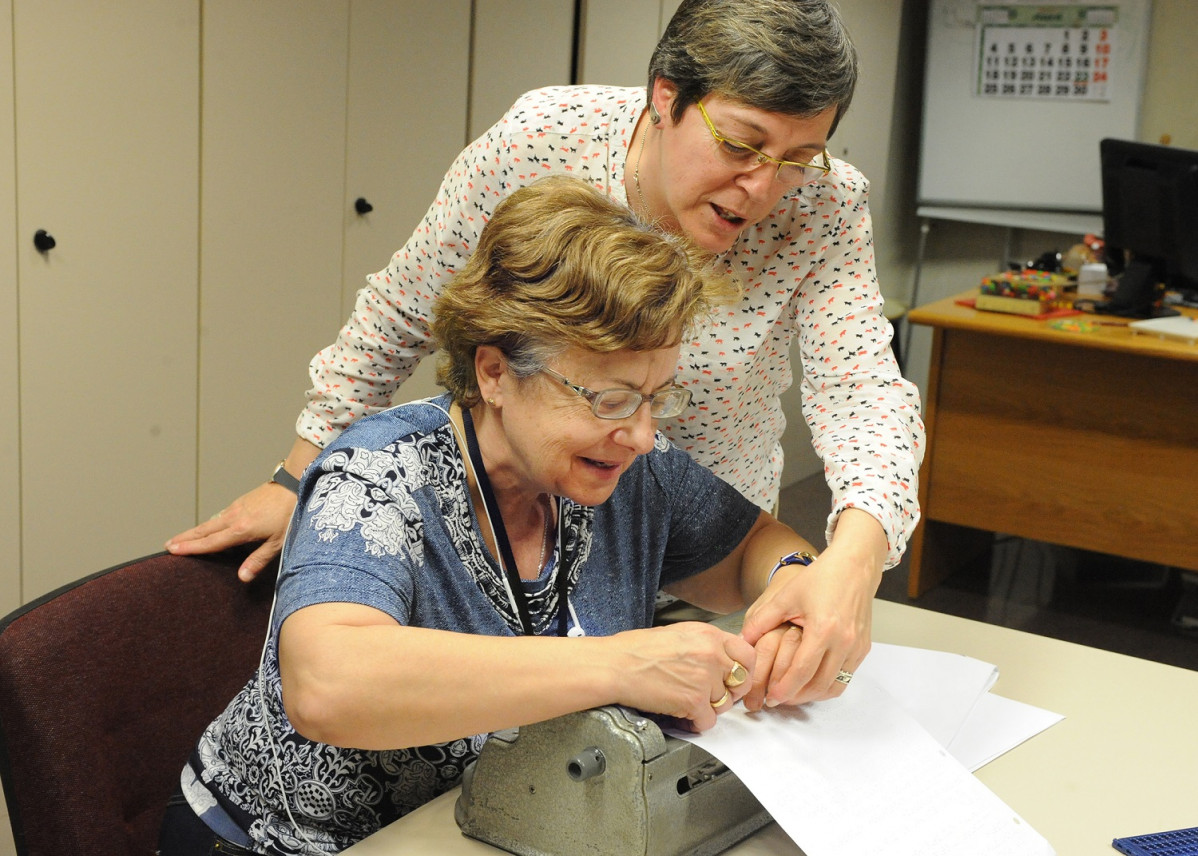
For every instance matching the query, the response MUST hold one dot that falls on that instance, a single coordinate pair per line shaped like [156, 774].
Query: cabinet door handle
[362, 206]
[44, 241]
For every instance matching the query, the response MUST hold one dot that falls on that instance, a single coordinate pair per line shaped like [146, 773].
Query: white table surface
[1123, 762]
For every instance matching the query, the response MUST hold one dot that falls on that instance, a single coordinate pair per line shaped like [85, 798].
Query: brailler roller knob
[44, 241]
[586, 764]
[362, 206]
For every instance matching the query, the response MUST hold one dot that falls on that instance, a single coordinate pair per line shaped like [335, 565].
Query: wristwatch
[799, 557]
[281, 477]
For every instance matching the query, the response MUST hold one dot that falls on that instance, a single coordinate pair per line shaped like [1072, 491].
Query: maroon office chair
[105, 685]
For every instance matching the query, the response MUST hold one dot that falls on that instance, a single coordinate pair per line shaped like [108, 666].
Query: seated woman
[490, 558]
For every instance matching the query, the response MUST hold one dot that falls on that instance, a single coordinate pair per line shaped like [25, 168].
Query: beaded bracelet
[799, 557]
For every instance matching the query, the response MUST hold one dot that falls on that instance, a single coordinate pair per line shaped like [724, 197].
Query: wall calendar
[1055, 52]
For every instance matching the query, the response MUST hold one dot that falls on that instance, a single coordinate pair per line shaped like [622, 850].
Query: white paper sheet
[948, 695]
[939, 689]
[997, 725]
[859, 776]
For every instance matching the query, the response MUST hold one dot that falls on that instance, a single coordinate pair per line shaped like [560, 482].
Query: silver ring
[844, 677]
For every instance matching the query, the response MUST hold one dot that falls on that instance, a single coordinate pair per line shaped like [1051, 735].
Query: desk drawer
[1073, 446]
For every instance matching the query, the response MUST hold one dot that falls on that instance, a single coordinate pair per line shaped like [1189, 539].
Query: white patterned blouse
[807, 272]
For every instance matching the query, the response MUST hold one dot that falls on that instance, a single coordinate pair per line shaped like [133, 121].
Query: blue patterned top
[385, 520]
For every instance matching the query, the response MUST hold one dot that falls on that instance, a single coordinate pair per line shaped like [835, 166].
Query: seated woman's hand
[682, 671]
[260, 515]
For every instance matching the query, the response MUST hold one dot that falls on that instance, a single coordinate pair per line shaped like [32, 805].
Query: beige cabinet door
[425, 79]
[274, 107]
[518, 47]
[307, 109]
[107, 131]
[10, 423]
[409, 64]
[619, 37]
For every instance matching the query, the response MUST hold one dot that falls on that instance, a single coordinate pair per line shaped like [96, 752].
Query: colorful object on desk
[1071, 326]
[1013, 305]
[1066, 312]
[1179, 842]
[1076, 326]
[1029, 292]
[1031, 284]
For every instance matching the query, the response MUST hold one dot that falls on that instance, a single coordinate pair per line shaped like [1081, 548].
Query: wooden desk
[1121, 763]
[1084, 439]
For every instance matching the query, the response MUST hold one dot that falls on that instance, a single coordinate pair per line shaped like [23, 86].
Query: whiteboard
[996, 156]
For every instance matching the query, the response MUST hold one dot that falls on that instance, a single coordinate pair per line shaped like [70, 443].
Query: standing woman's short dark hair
[783, 56]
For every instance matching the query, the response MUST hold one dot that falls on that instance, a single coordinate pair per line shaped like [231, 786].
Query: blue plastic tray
[1178, 842]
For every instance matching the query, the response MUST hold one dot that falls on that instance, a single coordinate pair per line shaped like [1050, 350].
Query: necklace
[514, 585]
[545, 535]
[636, 173]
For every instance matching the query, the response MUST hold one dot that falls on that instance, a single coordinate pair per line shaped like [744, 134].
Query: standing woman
[728, 146]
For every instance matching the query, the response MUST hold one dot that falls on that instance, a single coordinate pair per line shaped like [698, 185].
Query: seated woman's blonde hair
[561, 265]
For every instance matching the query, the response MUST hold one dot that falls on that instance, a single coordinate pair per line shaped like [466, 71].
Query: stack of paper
[885, 768]
[949, 695]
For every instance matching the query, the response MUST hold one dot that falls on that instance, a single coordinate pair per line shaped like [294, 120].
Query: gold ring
[844, 677]
[737, 676]
[722, 699]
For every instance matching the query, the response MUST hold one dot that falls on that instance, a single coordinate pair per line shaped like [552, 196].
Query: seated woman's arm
[352, 676]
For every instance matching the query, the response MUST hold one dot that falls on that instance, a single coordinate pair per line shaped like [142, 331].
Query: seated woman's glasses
[622, 403]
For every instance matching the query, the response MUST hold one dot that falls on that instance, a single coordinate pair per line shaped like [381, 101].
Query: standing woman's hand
[263, 515]
[260, 515]
[811, 626]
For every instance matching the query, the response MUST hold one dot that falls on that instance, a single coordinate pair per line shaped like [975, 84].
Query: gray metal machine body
[603, 782]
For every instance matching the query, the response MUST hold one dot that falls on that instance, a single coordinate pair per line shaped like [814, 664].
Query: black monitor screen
[1150, 224]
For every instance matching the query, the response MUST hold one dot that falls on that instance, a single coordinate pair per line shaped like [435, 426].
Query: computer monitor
[1150, 224]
